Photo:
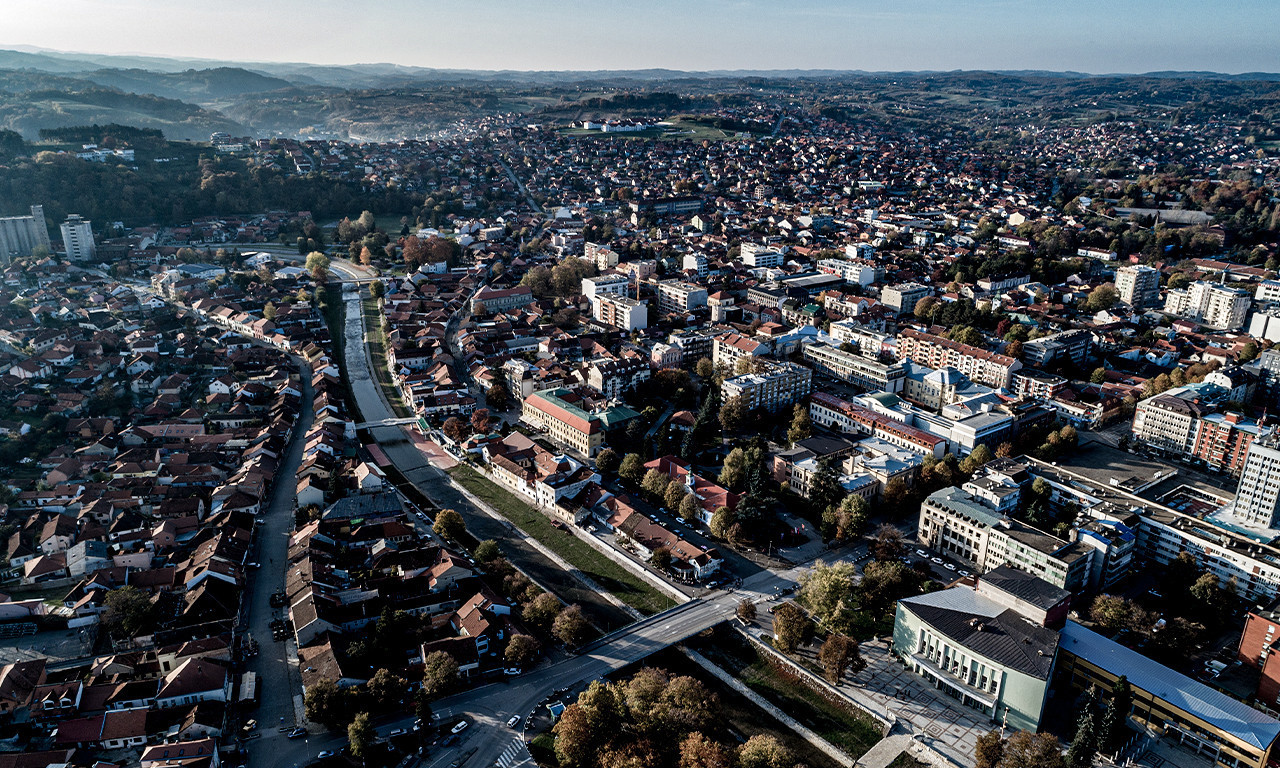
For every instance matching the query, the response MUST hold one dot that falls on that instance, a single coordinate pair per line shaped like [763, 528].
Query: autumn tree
[746, 610]
[697, 751]
[734, 413]
[449, 525]
[790, 626]
[889, 543]
[734, 471]
[496, 396]
[674, 494]
[840, 654]
[522, 651]
[764, 751]
[608, 461]
[631, 469]
[801, 427]
[1031, 750]
[440, 674]
[455, 429]
[543, 610]
[721, 520]
[576, 741]
[988, 751]
[571, 627]
[690, 509]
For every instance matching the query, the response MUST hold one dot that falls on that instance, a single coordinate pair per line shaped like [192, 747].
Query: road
[271, 664]
[488, 708]
[520, 186]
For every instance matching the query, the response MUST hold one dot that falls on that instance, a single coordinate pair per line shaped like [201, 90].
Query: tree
[455, 429]
[377, 290]
[1101, 298]
[925, 306]
[1085, 743]
[1099, 375]
[480, 420]
[326, 703]
[889, 543]
[661, 559]
[825, 490]
[801, 428]
[746, 611]
[318, 265]
[977, 459]
[571, 627]
[439, 674]
[360, 735]
[704, 368]
[690, 510]
[422, 705]
[839, 654]
[1111, 613]
[721, 520]
[697, 751]
[848, 520]
[522, 651]
[655, 484]
[128, 612]
[674, 494]
[1115, 726]
[449, 525]
[386, 689]
[734, 471]
[1248, 352]
[632, 469]
[734, 412]
[576, 743]
[543, 610]
[487, 551]
[608, 461]
[790, 625]
[967, 334]
[988, 750]
[1031, 750]
[269, 311]
[497, 398]
[1205, 591]
[764, 751]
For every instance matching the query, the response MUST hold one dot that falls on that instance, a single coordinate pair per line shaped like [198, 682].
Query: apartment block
[1138, 286]
[984, 367]
[677, 296]
[780, 385]
[621, 312]
[755, 255]
[903, 297]
[867, 373]
[1214, 305]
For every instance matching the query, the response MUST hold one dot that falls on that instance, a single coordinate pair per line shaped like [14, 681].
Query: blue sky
[1082, 35]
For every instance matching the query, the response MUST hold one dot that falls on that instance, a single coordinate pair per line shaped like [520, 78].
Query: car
[922, 553]
[512, 722]
[591, 528]
[398, 731]
[948, 566]
[965, 574]
[327, 753]
[936, 560]
[422, 516]
[250, 725]
[460, 727]
[297, 733]
[417, 724]
[511, 671]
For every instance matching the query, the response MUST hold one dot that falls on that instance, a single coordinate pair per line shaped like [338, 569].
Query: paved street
[278, 680]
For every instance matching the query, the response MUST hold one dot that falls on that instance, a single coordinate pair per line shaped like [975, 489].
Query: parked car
[297, 733]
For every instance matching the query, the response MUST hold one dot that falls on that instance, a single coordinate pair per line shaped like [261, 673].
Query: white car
[936, 560]
[460, 727]
[512, 722]
[922, 553]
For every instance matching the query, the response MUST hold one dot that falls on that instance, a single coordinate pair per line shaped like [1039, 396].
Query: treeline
[656, 100]
[96, 134]
[173, 193]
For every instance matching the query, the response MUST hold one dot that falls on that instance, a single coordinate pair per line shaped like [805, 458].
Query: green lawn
[622, 583]
[837, 722]
[373, 320]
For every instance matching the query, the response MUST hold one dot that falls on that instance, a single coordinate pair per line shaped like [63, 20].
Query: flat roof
[1232, 717]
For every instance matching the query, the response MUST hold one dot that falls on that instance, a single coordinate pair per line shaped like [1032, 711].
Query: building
[1073, 345]
[20, 235]
[986, 647]
[990, 368]
[602, 285]
[728, 348]
[778, 386]
[1188, 422]
[77, 239]
[833, 413]
[1138, 285]
[571, 421]
[755, 255]
[1029, 382]
[621, 312]
[955, 521]
[488, 301]
[858, 271]
[867, 373]
[902, 298]
[1167, 704]
[667, 206]
[1258, 494]
[1258, 648]
[1214, 305]
[869, 342]
[677, 296]
[603, 256]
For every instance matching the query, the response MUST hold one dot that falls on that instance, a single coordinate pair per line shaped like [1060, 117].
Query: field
[675, 129]
[619, 581]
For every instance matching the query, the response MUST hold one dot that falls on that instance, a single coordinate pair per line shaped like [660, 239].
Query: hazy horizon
[1090, 36]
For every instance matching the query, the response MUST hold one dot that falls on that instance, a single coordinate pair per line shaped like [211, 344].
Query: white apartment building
[77, 239]
[678, 296]
[727, 348]
[604, 257]
[783, 384]
[1267, 290]
[1138, 285]
[755, 255]
[983, 366]
[1214, 305]
[696, 263]
[615, 285]
[858, 271]
[621, 312]
[1258, 495]
[867, 373]
[870, 342]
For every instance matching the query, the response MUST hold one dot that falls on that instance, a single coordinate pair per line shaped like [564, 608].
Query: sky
[1098, 36]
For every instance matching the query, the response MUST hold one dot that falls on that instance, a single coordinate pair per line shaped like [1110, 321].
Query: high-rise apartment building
[1138, 286]
[19, 235]
[77, 239]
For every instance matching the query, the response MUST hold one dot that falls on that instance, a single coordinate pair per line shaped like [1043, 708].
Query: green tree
[674, 494]
[721, 520]
[704, 368]
[733, 414]
[828, 592]
[1101, 298]
[790, 626]
[734, 471]
[746, 610]
[440, 675]
[449, 525]
[1115, 727]
[326, 704]
[487, 551]
[825, 490]
[889, 544]
[632, 469]
[608, 462]
[661, 559]
[925, 306]
[318, 265]
[522, 651]
[801, 428]
[377, 290]
[386, 689]
[967, 334]
[690, 510]
[269, 311]
[128, 612]
[1111, 613]
[1085, 744]
[543, 610]
[1099, 375]
[360, 736]
[764, 751]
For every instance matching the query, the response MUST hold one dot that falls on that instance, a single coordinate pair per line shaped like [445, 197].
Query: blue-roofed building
[1168, 703]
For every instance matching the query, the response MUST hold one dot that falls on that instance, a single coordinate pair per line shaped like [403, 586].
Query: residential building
[571, 421]
[1214, 305]
[1073, 345]
[869, 342]
[77, 239]
[902, 298]
[756, 255]
[728, 348]
[831, 412]
[867, 373]
[603, 256]
[677, 296]
[1188, 422]
[1257, 499]
[1138, 285]
[990, 368]
[621, 312]
[489, 301]
[601, 285]
[858, 271]
[778, 386]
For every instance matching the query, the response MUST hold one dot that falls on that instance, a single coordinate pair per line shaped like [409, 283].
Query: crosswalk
[514, 755]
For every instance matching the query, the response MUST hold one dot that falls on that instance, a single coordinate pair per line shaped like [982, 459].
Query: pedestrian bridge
[391, 423]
